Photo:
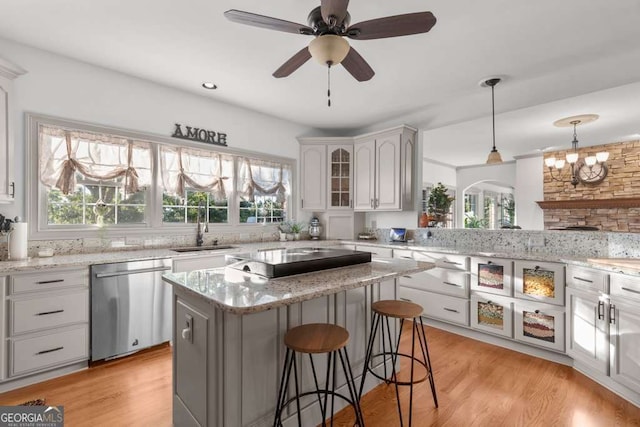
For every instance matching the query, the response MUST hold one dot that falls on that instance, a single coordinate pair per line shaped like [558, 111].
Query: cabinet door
[539, 324]
[387, 192]
[588, 329]
[492, 275]
[625, 343]
[539, 281]
[491, 313]
[364, 175]
[340, 182]
[5, 143]
[313, 174]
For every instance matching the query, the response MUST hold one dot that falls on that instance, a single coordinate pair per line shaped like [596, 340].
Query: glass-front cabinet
[492, 275]
[492, 313]
[340, 177]
[539, 281]
[539, 324]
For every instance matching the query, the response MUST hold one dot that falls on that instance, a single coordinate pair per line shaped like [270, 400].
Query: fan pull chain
[329, 85]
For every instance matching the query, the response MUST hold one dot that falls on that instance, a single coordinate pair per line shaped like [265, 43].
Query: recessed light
[209, 85]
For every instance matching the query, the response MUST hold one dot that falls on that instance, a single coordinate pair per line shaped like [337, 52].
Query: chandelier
[591, 169]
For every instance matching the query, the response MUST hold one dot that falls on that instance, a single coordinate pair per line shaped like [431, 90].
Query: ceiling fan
[329, 23]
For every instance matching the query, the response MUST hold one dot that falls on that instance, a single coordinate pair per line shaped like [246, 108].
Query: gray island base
[228, 334]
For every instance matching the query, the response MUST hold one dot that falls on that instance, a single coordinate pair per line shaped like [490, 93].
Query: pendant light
[494, 156]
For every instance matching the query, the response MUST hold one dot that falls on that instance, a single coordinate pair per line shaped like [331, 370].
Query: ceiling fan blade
[337, 8]
[357, 66]
[293, 63]
[248, 18]
[392, 26]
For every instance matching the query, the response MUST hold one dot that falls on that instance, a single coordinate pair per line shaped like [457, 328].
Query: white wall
[66, 88]
[529, 189]
[434, 172]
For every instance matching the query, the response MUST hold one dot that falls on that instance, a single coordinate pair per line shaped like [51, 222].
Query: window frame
[35, 193]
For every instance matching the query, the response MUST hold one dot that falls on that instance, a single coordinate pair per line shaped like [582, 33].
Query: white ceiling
[547, 51]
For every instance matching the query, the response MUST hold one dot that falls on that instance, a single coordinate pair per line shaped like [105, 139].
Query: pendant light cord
[493, 117]
[329, 84]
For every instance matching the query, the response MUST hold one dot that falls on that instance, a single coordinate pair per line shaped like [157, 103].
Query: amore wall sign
[200, 135]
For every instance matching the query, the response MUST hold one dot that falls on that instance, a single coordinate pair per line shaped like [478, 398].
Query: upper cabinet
[383, 170]
[326, 178]
[8, 72]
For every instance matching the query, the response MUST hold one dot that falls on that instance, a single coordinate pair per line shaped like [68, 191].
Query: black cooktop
[280, 262]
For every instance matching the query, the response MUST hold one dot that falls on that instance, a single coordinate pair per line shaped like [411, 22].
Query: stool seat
[397, 309]
[316, 338]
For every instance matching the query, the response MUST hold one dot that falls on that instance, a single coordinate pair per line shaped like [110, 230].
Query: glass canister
[315, 229]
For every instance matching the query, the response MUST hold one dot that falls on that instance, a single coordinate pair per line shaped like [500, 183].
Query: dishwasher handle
[127, 272]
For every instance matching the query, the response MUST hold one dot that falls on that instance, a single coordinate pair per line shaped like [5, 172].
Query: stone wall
[622, 181]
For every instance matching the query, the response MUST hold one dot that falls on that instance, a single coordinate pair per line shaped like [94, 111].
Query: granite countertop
[243, 293]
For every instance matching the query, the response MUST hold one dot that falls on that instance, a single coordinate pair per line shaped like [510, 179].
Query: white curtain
[200, 170]
[64, 152]
[262, 178]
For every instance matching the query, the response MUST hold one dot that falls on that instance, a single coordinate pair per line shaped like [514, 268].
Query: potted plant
[284, 228]
[439, 203]
[296, 229]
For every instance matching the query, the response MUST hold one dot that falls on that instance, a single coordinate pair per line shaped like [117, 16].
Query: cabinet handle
[583, 280]
[350, 203]
[406, 257]
[45, 282]
[451, 310]
[600, 310]
[451, 262]
[489, 262]
[13, 189]
[371, 203]
[302, 203]
[630, 290]
[49, 351]
[407, 277]
[44, 313]
[612, 314]
[377, 203]
[537, 311]
[451, 284]
[187, 335]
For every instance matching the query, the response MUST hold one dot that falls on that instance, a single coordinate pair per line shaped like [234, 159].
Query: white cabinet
[8, 72]
[383, 170]
[588, 317]
[340, 172]
[624, 324]
[492, 313]
[48, 320]
[539, 324]
[313, 177]
[492, 275]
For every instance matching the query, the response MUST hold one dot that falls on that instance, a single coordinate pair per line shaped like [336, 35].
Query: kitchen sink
[202, 248]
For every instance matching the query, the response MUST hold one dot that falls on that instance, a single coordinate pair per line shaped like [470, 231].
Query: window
[92, 177]
[264, 188]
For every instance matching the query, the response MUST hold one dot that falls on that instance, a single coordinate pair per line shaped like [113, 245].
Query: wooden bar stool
[382, 311]
[311, 339]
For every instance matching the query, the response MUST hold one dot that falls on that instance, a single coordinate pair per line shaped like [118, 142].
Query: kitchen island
[229, 327]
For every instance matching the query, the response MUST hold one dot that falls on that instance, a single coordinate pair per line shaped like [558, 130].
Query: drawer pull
[407, 277]
[583, 280]
[406, 257]
[49, 351]
[44, 313]
[630, 290]
[451, 310]
[451, 262]
[537, 312]
[46, 282]
[451, 284]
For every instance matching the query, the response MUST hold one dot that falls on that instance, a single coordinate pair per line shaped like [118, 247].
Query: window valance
[262, 178]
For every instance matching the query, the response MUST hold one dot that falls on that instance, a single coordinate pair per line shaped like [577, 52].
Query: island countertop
[238, 292]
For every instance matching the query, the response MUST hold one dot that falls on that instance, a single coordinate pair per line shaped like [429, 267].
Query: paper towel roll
[18, 241]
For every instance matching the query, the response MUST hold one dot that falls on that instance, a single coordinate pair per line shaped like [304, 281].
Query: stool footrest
[392, 381]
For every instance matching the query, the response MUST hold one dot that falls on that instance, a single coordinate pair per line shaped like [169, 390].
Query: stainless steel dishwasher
[130, 307]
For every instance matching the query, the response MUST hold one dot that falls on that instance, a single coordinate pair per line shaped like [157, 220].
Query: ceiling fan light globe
[602, 156]
[494, 157]
[329, 49]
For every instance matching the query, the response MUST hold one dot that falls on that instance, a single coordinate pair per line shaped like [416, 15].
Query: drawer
[492, 313]
[625, 286]
[442, 307]
[49, 351]
[440, 280]
[493, 275]
[43, 280]
[376, 251]
[539, 281]
[539, 324]
[587, 279]
[451, 261]
[403, 253]
[44, 312]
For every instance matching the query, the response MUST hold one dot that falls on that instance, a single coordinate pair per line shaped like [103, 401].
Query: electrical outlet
[536, 241]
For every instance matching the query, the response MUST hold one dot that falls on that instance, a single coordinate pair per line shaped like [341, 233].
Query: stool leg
[384, 347]
[315, 380]
[394, 355]
[282, 392]
[395, 376]
[427, 359]
[351, 385]
[333, 387]
[295, 377]
[367, 357]
[414, 326]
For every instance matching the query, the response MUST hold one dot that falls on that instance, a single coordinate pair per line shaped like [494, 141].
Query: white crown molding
[10, 70]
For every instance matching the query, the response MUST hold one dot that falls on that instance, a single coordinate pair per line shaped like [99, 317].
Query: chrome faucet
[203, 227]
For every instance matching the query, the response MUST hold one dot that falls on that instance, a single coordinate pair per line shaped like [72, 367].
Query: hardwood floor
[478, 385]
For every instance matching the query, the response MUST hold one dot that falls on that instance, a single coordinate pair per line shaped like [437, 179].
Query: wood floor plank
[478, 384]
